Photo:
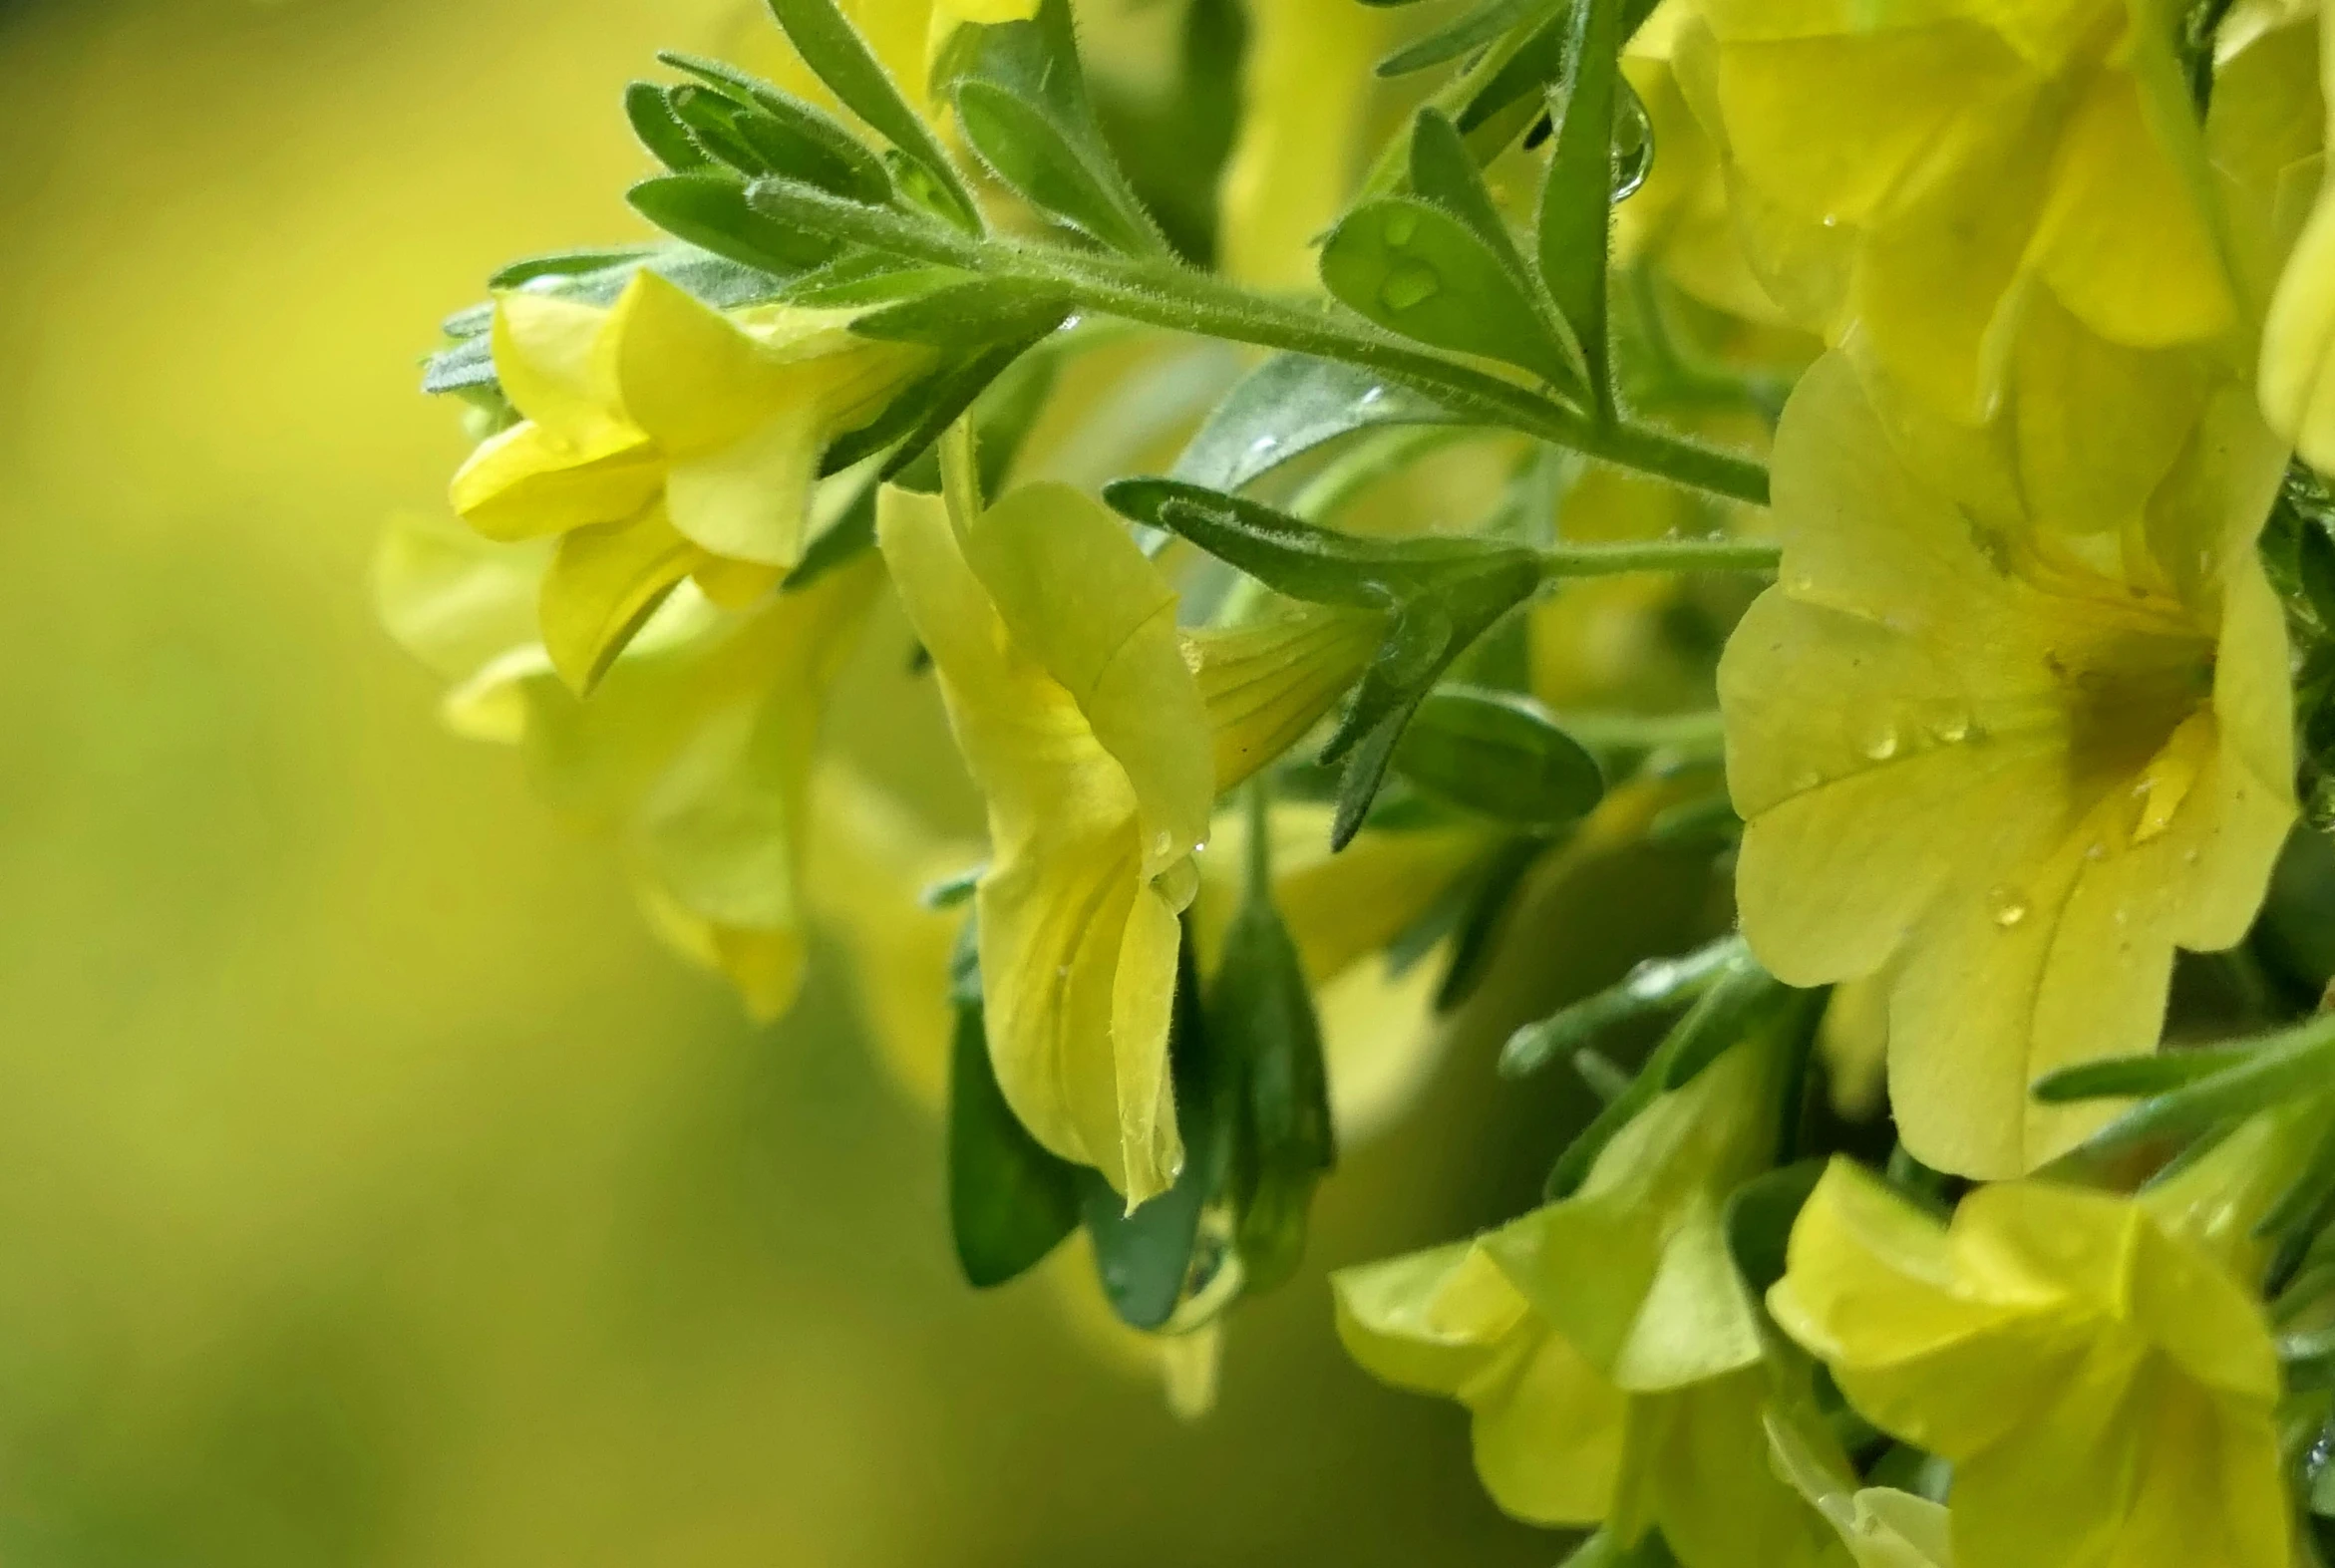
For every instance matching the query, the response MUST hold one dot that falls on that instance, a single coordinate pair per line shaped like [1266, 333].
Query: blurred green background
[372, 1189]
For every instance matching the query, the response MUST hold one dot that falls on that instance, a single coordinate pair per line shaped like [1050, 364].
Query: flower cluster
[1863, 460]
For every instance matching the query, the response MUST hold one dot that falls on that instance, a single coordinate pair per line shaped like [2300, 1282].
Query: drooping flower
[1606, 1343]
[2014, 724]
[2104, 1387]
[1055, 643]
[663, 439]
[1923, 166]
[2298, 339]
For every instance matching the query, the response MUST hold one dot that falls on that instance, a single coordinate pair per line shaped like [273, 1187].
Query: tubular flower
[2053, 739]
[1919, 166]
[1055, 643]
[663, 440]
[2104, 1387]
[1606, 1343]
[2298, 340]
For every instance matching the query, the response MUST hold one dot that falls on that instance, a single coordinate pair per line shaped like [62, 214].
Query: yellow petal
[603, 583]
[450, 599]
[523, 483]
[1074, 591]
[1266, 683]
[1079, 1047]
[2298, 343]
[555, 361]
[1304, 90]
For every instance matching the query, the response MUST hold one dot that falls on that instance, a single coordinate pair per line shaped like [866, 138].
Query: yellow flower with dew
[2014, 724]
[1924, 167]
[663, 439]
[2104, 1386]
[695, 754]
[2298, 339]
[1055, 643]
[1607, 1346]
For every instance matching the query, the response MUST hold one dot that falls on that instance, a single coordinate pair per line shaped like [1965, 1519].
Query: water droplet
[1071, 321]
[1881, 743]
[2096, 850]
[1262, 445]
[1803, 582]
[1370, 396]
[1163, 843]
[1949, 726]
[1652, 978]
[2008, 904]
[1408, 286]
[1401, 226]
[1807, 782]
[1179, 885]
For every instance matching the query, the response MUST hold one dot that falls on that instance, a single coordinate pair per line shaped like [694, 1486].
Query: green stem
[1260, 836]
[1604, 560]
[1164, 294]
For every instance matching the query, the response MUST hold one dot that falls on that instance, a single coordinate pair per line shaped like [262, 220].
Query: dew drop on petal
[1880, 743]
[2008, 905]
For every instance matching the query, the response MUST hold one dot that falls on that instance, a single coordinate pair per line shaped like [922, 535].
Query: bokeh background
[372, 1188]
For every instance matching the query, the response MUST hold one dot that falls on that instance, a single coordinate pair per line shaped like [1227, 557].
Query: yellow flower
[2103, 1387]
[663, 439]
[2298, 340]
[907, 36]
[1605, 1345]
[2014, 723]
[1305, 82]
[1924, 165]
[1055, 643]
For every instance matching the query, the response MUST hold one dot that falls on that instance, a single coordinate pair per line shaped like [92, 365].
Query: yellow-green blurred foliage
[373, 1187]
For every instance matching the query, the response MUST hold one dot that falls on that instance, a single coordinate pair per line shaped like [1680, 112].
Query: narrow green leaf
[712, 121]
[1742, 1000]
[1496, 884]
[1010, 1200]
[945, 395]
[1260, 1012]
[1287, 407]
[970, 313]
[711, 212]
[1417, 270]
[837, 544]
[1470, 32]
[2293, 1061]
[1030, 154]
[861, 279]
[833, 49]
[1576, 201]
[1500, 755]
[1515, 95]
[567, 264]
[1303, 559]
[661, 131]
[2129, 1078]
[814, 147]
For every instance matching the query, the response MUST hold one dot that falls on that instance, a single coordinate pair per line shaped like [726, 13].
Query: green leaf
[1289, 405]
[796, 138]
[755, 141]
[1492, 891]
[1759, 1220]
[1261, 1014]
[711, 212]
[1500, 755]
[1443, 171]
[1028, 153]
[837, 221]
[861, 279]
[1745, 997]
[1417, 270]
[840, 57]
[1150, 1261]
[2297, 1060]
[661, 131]
[1010, 1200]
[841, 542]
[973, 312]
[1469, 33]
[1577, 201]
[1305, 560]
[2126, 1077]
[937, 402]
[1023, 105]
[1514, 95]
[1003, 415]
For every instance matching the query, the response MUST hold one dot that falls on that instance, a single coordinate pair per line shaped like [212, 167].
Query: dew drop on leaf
[1409, 285]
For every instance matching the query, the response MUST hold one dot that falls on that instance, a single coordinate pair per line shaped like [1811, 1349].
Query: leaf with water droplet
[1421, 271]
[1577, 201]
